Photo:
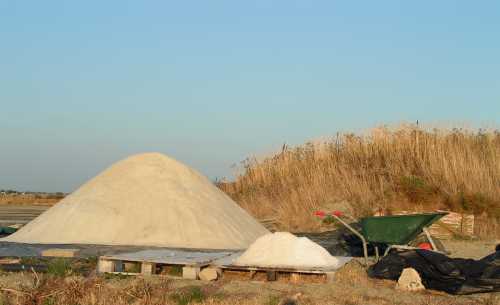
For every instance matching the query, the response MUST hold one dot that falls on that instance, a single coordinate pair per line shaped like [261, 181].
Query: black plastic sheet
[440, 272]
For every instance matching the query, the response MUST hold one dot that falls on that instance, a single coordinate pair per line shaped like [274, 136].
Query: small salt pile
[283, 249]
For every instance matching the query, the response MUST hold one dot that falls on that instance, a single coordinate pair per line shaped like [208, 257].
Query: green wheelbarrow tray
[395, 231]
[398, 229]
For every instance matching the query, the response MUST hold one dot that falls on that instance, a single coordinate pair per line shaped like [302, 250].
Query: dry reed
[52, 290]
[402, 168]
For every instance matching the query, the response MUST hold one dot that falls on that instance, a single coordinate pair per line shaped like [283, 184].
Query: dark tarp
[440, 272]
[342, 242]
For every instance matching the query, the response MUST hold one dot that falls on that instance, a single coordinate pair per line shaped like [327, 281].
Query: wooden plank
[295, 278]
[251, 274]
[330, 277]
[58, 252]
[278, 269]
[271, 275]
[454, 224]
[9, 261]
[124, 273]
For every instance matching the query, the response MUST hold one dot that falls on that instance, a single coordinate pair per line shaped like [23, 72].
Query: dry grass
[52, 290]
[403, 168]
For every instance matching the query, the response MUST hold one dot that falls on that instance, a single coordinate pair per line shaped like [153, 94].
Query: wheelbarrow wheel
[423, 239]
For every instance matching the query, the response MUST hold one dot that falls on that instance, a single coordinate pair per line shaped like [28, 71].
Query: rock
[410, 281]
[190, 272]
[208, 274]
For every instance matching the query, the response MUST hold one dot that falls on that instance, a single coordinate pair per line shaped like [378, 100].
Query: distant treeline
[41, 194]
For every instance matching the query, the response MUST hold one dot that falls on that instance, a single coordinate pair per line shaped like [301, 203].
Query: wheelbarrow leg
[429, 238]
[388, 250]
[363, 240]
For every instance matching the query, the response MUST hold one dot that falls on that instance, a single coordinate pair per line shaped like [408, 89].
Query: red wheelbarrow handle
[323, 213]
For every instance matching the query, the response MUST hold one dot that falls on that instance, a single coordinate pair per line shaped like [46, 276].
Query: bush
[59, 267]
[191, 294]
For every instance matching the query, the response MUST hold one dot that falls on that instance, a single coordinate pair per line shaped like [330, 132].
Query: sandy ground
[475, 249]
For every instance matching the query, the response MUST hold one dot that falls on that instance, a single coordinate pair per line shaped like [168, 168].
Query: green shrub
[59, 267]
[415, 188]
[113, 276]
[273, 300]
[174, 270]
[192, 294]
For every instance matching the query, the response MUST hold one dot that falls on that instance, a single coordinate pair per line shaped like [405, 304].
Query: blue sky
[86, 83]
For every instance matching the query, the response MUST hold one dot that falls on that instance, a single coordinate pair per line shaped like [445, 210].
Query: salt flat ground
[20, 214]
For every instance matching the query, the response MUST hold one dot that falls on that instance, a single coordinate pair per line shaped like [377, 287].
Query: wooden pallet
[294, 275]
[225, 264]
[192, 262]
[149, 261]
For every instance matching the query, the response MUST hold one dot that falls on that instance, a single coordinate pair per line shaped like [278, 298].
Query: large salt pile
[145, 200]
[283, 249]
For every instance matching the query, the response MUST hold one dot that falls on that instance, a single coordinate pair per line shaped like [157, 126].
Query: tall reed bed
[401, 168]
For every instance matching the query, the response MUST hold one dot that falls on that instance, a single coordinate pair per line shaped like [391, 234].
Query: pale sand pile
[283, 249]
[145, 200]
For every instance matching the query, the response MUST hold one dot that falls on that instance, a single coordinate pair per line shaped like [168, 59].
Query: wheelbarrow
[395, 231]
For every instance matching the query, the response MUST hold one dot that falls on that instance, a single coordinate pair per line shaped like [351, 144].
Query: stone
[148, 268]
[410, 281]
[190, 273]
[330, 277]
[104, 266]
[208, 274]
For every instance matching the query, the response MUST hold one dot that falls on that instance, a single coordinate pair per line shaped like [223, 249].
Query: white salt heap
[145, 200]
[283, 249]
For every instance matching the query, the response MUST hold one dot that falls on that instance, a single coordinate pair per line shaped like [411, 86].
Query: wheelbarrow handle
[336, 215]
[359, 235]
